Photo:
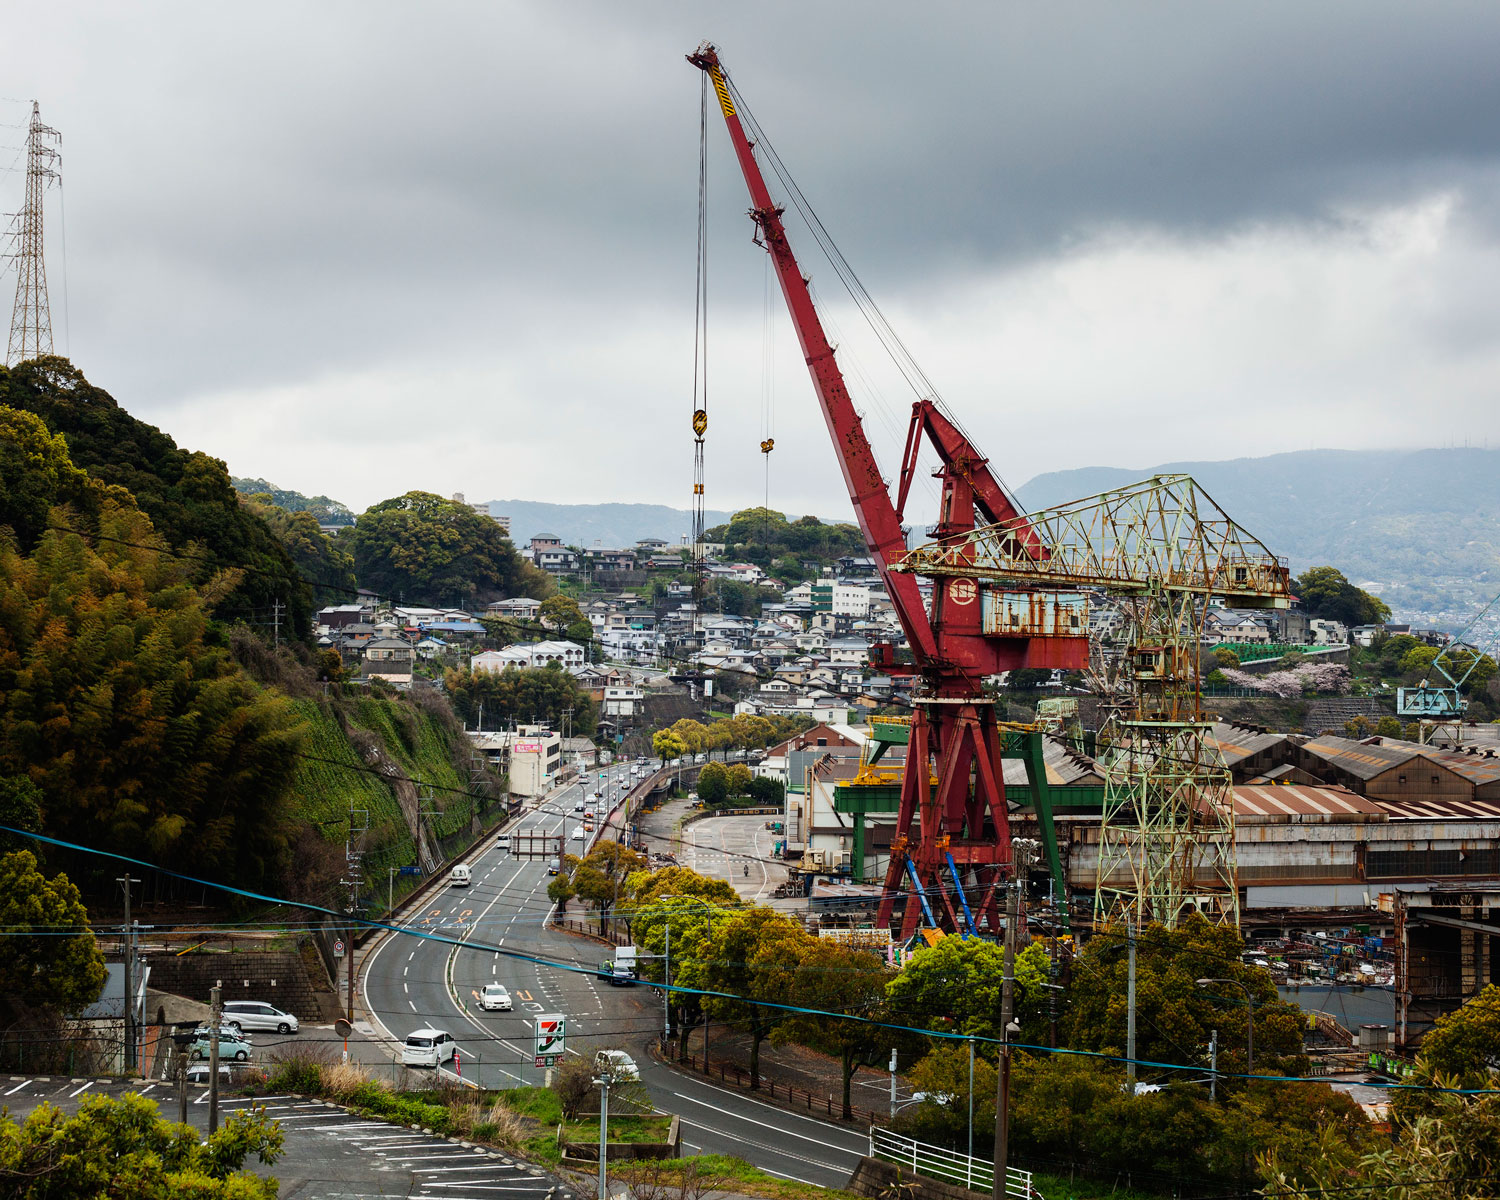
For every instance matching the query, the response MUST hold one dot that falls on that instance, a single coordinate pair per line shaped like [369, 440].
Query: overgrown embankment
[392, 772]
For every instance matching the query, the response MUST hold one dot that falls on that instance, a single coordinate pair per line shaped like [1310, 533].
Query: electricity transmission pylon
[31, 318]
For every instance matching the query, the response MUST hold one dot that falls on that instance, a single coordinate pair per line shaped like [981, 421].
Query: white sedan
[494, 998]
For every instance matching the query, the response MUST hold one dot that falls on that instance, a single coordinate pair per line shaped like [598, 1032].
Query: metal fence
[935, 1162]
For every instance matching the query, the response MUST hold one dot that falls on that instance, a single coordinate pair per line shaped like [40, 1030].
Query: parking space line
[17, 1088]
[84, 1088]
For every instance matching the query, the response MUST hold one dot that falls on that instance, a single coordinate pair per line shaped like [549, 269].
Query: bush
[573, 1084]
[300, 1070]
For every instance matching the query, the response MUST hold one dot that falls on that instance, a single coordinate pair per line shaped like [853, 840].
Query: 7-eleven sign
[550, 1040]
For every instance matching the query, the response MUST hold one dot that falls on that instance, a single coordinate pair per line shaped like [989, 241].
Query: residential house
[623, 701]
[530, 654]
[517, 608]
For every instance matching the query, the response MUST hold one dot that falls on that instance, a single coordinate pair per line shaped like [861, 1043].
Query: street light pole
[1007, 1003]
[1250, 1015]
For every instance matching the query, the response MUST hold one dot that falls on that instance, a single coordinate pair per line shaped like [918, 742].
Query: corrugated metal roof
[1236, 742]
[1427, 808]
[1477, 768]
[1283, 800]
[1358, 758]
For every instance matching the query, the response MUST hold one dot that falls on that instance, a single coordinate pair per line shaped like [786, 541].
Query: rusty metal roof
[1441, 808]
[1237, 743]
[1359, 758]
[1476, 768]
[1290, 802]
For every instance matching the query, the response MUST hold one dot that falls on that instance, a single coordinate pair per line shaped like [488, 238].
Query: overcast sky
[359, 248]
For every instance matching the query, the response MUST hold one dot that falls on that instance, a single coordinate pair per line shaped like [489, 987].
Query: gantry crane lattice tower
[1166, 839]
[31, 318]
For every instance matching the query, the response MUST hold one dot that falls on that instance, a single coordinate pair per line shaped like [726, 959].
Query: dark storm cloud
[281, 194]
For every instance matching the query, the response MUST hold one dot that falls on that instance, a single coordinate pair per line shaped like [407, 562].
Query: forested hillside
[143, 710]
[186, 494]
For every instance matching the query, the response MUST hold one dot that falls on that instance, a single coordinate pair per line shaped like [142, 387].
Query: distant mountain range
[1419, 528]
[614, 526]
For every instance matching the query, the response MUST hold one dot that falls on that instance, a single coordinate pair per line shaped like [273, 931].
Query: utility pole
[1130, 1007]
[1007, 1010]
[31, 318]
[216, 1000]
[276, 608]
[666, 993]
[1213, 1066]
[603, 1081]
[349, 960]
[971, 1098]
[129, 940]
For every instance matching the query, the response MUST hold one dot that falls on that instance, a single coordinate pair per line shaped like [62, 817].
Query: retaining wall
[275, 977]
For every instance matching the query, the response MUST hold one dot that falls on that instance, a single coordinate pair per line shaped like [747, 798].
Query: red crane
[952, 826]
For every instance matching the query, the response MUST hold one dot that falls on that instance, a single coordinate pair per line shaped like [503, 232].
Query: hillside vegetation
[142, 710]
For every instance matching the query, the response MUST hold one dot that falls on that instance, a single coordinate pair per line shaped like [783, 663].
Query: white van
[459, 876]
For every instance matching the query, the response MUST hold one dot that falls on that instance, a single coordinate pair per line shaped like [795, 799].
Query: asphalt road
[409, 982]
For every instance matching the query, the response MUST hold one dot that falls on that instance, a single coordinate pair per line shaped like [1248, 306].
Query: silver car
[257, 1014]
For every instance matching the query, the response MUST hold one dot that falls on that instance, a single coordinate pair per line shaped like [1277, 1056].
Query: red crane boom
[953, 811]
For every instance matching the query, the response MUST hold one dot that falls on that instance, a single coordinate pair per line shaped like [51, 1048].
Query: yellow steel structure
[1166, 839]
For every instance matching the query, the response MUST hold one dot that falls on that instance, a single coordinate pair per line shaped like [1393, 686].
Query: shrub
[301, 1069]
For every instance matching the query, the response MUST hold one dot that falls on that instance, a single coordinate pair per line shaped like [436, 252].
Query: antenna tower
[31, 318]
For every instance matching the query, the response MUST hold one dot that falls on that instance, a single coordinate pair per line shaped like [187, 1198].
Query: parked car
[621, 1066]
[428, 1047]
[256, 1014]
[198, 1073]
[231, 1045]
[494, 998]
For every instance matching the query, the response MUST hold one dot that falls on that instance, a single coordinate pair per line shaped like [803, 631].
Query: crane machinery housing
[952, 845]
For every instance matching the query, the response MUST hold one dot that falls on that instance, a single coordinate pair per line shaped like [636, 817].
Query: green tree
[60, 969]
[321, 560]
[1388, 727]
[120, 1147]
[422, 549]
[830, 978]
[560, 890]
[322, 509]
[519, 694]
[692, 924]
[1225, 657]
[36, 474]
[713, 784]
[120, 703]
[766, 792]
[954, 986]
[20, 808]
[1174, 1014]
[599, 878]
[667, 745]
[562, 615]
[1326, 593]
[1027, 679]
[187, 495]
[647, 887]
[738, 778]
[1466, 1042]
[753, 952]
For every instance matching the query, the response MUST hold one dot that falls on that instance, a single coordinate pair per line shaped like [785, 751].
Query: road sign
[338, 949]
[408, 870]
[550, 1039]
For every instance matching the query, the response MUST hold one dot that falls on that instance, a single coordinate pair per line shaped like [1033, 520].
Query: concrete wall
[275, 977]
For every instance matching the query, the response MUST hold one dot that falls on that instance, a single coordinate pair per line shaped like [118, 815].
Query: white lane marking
[84, 1088]
[773, 1128]
[479, 1166]
[413, 1005]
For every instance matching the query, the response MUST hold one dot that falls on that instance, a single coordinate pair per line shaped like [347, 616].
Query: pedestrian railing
[936, 1162]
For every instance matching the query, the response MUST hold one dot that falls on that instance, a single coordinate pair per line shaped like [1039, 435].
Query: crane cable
[767, 394]
[700, 355]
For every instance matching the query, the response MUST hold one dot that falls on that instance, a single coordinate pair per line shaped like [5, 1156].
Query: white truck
[621, 970]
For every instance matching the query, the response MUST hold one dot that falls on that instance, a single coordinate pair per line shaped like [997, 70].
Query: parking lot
[330, 1154]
